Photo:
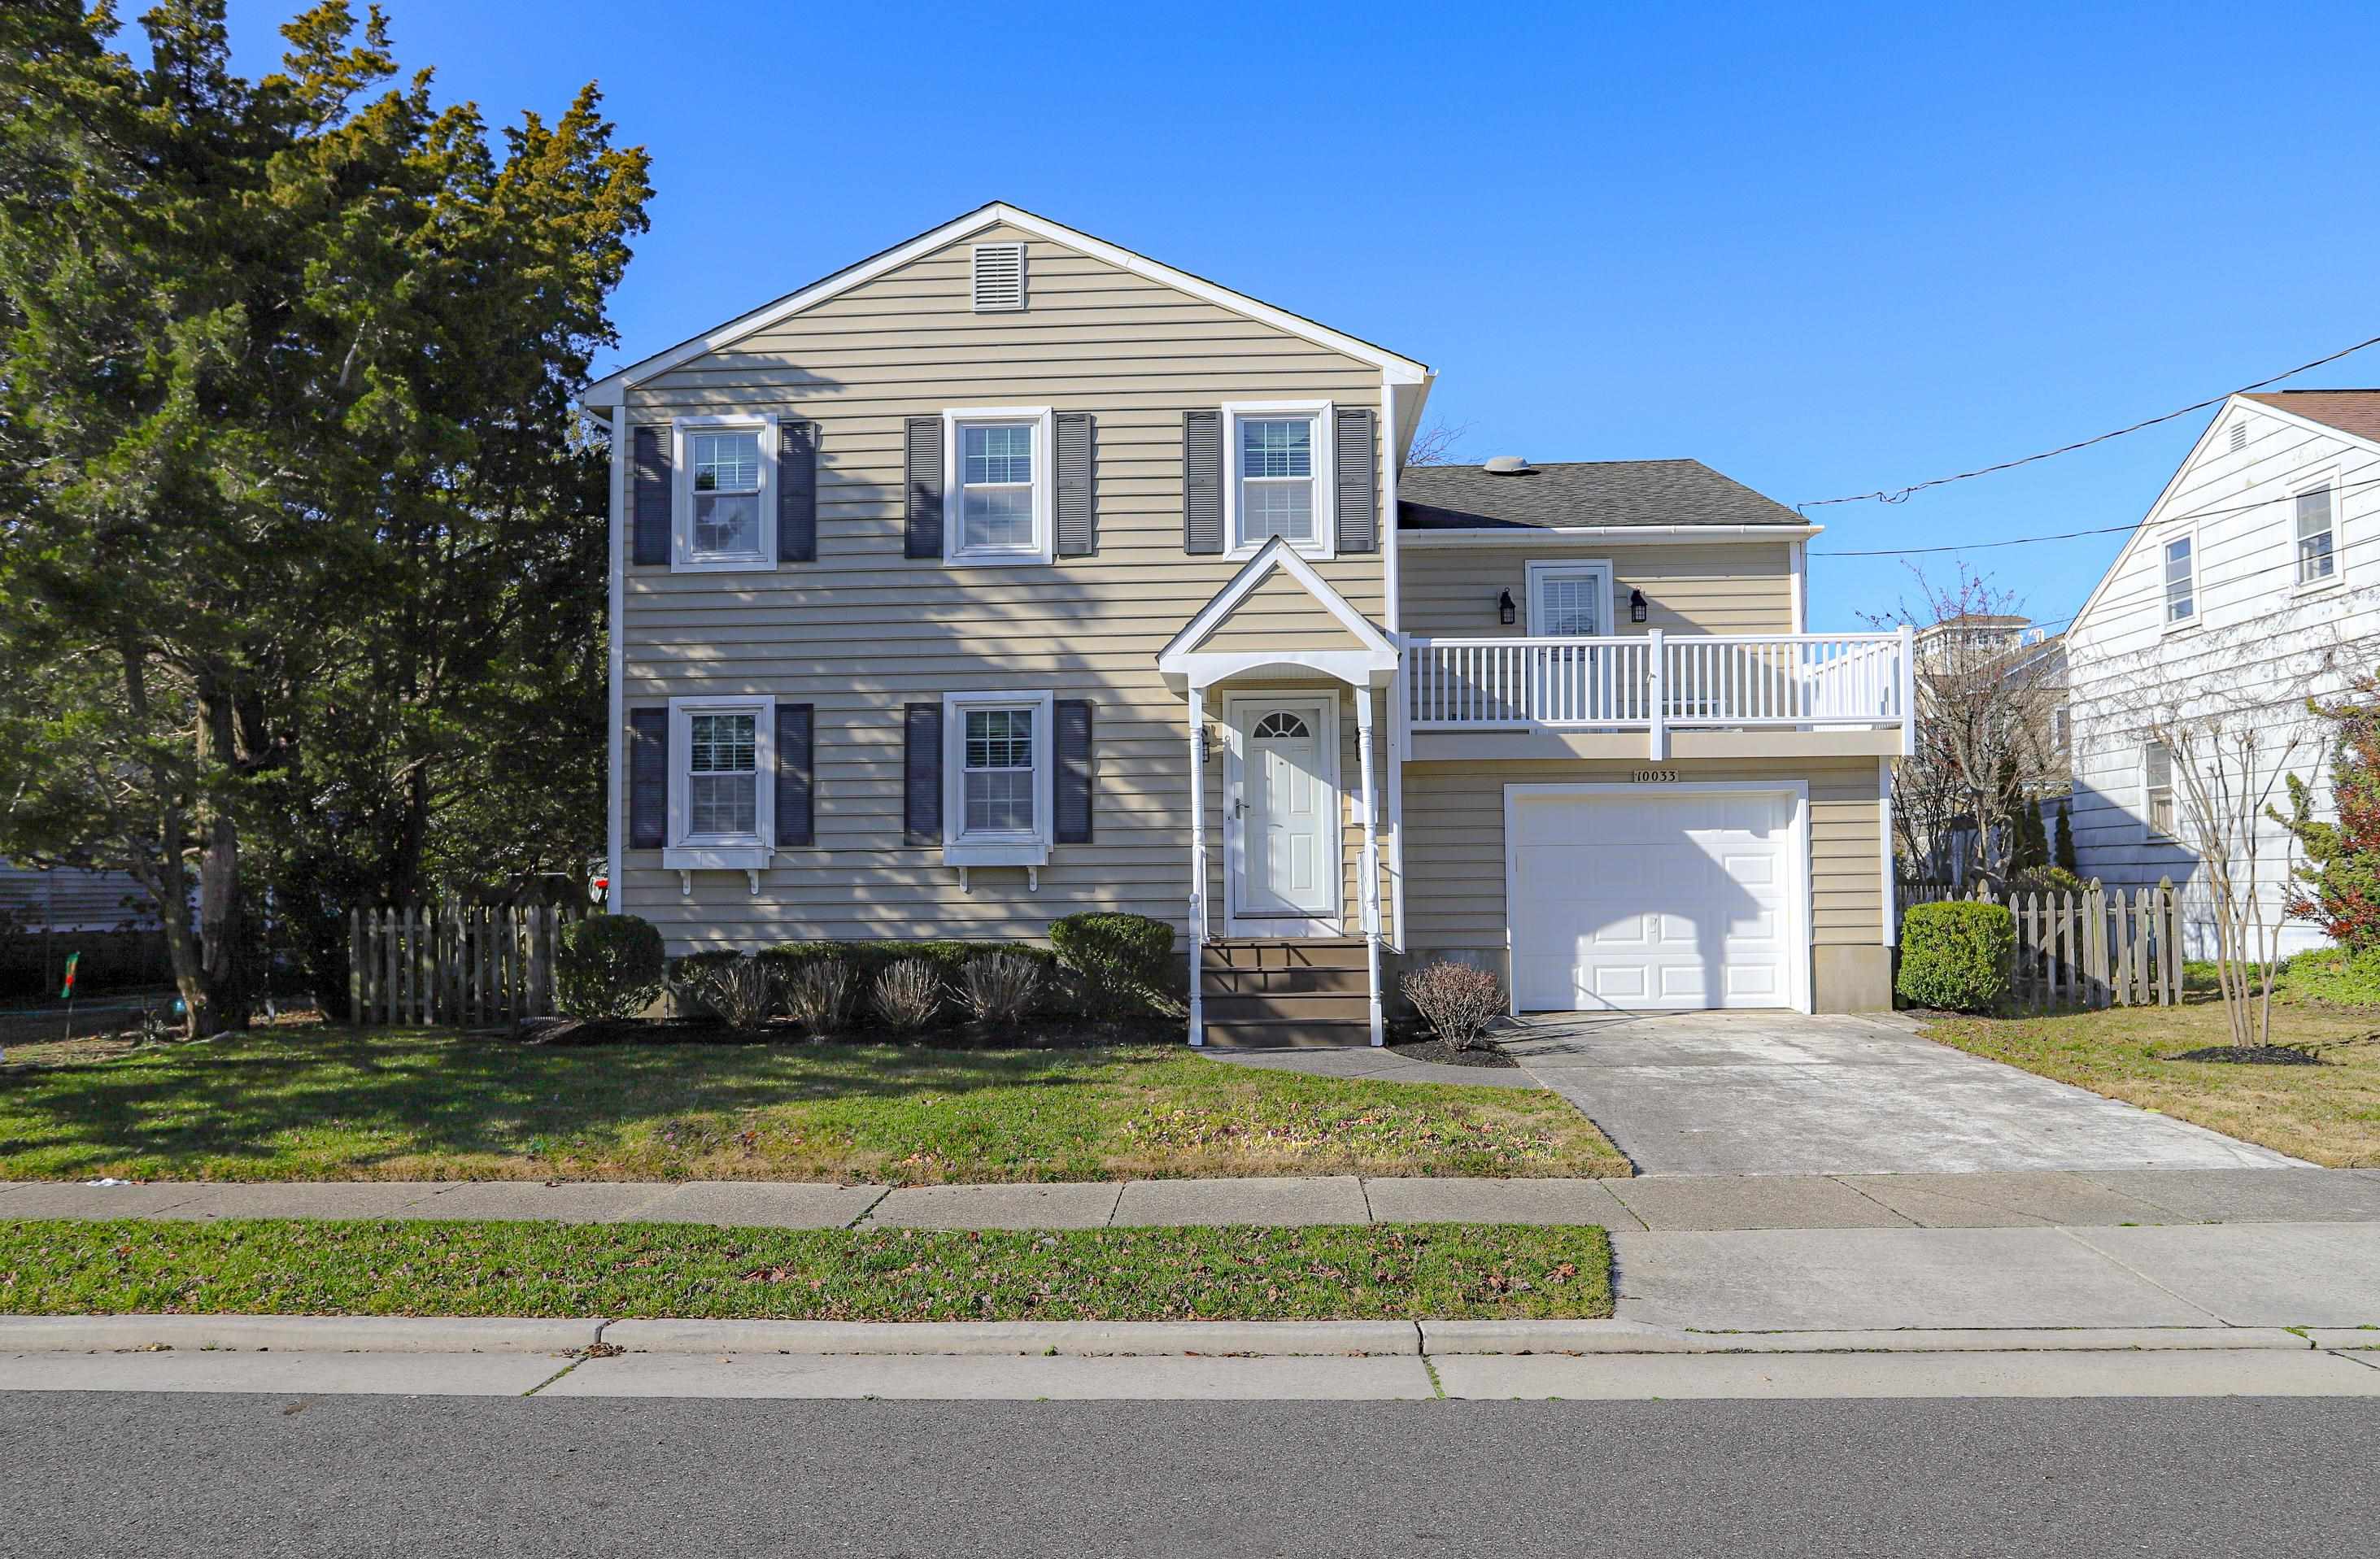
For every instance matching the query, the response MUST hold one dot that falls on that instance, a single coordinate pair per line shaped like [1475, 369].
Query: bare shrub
[908, 995]
[743, 992]
[821, 993]
[1457, 1000]
[1000, 987]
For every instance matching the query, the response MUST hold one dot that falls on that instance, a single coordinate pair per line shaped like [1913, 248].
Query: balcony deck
[1658, 697]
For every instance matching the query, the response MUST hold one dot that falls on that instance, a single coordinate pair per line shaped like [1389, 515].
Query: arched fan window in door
[1281, 723]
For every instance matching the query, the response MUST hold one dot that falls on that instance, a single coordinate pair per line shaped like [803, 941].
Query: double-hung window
[998, 774]
[721, 791]
[1280, 476]
[2180, 581]
[997, 476]
[726, 508]
[2156, 790]
[2317, 526]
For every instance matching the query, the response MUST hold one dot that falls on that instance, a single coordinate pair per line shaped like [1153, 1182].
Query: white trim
[1884, 826]
[2166, 623]
[1330, 921]
[616, 662]
[683, 557]
[1537, 570]
[1393, 449]
[1798, 789]
[1044, 548]
[1197, 930]
[2150, 833]
[1367, 892]
[1796, 555]
[2327, 475]
[1178, 659]
[1590, 536]
[960, 848]
[687, 851]
[1325, 477]
[611, 390]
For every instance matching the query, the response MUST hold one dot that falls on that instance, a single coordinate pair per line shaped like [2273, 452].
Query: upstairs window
[1278, 474]
[2156, 790]
[2180, 581]
[997, 474]
[2316, 527]
[725, 513]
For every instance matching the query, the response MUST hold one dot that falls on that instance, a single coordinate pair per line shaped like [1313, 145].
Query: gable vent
[2239, 436]
[998, 277]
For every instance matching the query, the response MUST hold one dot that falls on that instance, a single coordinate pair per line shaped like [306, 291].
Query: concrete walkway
[1684, 1202]
[1767, 1093]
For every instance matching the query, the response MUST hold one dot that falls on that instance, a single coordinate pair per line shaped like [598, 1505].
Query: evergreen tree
[2065, 858]
[2338, 884]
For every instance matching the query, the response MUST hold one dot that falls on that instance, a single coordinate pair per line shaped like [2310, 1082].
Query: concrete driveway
[1782, 1094]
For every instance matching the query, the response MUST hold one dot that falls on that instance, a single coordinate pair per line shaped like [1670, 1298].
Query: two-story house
[2248, 587]
[1008, 573]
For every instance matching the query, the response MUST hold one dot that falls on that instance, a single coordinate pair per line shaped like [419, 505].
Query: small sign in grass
[301, 1267]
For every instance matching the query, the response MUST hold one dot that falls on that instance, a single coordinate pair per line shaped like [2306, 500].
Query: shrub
[2047, 879]
[870, 959]
[1457, 1000]
[686, 982]
[1122, 959]
[908, 995]
[1000, 987]
[2332, 976]
[742, 992]
[1955, 955]
[821, 993]
[607, 966]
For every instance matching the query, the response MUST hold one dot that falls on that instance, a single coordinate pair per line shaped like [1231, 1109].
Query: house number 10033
[1655, 777]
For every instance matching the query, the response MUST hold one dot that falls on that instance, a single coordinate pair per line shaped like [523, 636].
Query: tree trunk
[220, 931]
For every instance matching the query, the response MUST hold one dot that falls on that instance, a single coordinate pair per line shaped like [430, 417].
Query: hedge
[1955, 955]
[868, 959]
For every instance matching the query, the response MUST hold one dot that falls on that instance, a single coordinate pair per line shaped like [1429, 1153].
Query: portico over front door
[1282, 817]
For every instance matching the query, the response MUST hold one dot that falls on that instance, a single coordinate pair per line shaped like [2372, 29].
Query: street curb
[293, 1334]
[1081, 1339]
[1088, 1339]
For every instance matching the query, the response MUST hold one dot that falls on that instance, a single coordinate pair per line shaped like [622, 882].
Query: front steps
[1261, 993]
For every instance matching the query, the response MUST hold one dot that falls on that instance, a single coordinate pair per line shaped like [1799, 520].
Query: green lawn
[2328, 1114]
[303, 1104]
[624, 1270]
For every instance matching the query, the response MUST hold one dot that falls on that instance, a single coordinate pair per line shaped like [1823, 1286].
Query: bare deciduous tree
[1435, 444]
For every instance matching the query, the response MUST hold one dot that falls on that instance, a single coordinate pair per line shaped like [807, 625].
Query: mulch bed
[1053, 1034]
[1438, 1050]
[2253, 1054]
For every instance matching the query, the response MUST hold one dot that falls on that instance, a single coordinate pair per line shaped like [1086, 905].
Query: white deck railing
[1658, 683]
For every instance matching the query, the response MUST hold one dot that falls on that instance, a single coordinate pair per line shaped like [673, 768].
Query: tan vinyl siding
[864, 630]
[1701, 587]
[1455, 843]
[1278, 614]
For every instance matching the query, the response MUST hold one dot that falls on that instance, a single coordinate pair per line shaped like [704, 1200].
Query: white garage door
[1645, 898]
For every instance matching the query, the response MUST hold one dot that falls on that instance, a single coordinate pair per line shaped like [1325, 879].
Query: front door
[1285, 816]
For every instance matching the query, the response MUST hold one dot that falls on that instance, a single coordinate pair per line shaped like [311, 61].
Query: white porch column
[1371, 886]
[1656, 692]
[1908, 691]
[1198, 859]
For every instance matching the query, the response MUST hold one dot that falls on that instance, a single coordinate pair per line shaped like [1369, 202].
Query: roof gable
[608, 392]
[1277, 556]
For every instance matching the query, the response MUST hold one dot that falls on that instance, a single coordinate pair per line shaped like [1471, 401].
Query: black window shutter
[925, 457]
[1079, 525]
[649, 511]
[921, 782]
[1355, 462]
[648, 778]
[1077, 775]
[1202, 482]
[797, 493]
[796, 822]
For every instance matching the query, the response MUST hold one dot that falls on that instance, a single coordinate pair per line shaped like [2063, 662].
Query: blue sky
[1823, 249]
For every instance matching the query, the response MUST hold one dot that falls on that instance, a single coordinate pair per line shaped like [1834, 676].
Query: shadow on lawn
[259, 1097]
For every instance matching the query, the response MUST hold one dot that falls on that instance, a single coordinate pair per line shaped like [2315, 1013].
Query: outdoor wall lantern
[1505, 609]
[1635, 606]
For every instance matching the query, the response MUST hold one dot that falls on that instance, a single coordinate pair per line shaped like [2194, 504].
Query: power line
[1902, 495]
[2071, 535]
[2155, 589]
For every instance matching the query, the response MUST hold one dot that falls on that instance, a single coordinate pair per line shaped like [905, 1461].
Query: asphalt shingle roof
[1581, 492]
[2349, 411]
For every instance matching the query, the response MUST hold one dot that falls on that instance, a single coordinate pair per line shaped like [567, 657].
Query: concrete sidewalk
[1712, 1203]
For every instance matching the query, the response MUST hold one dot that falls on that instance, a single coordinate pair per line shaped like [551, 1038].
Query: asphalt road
[122, 1474]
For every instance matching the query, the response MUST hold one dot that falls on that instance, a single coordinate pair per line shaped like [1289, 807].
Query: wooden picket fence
[2099, 947]
[463, 967]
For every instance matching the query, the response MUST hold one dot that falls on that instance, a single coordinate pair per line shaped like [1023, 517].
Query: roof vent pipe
[1508, 466]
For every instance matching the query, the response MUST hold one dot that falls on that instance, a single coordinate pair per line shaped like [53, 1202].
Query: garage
[1657, 895]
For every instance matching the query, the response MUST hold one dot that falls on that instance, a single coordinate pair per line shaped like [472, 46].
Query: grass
[415, 1104]
[295, 1267]
[2328, 1114]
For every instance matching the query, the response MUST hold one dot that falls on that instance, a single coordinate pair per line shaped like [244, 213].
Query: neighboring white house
[2252, 583]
